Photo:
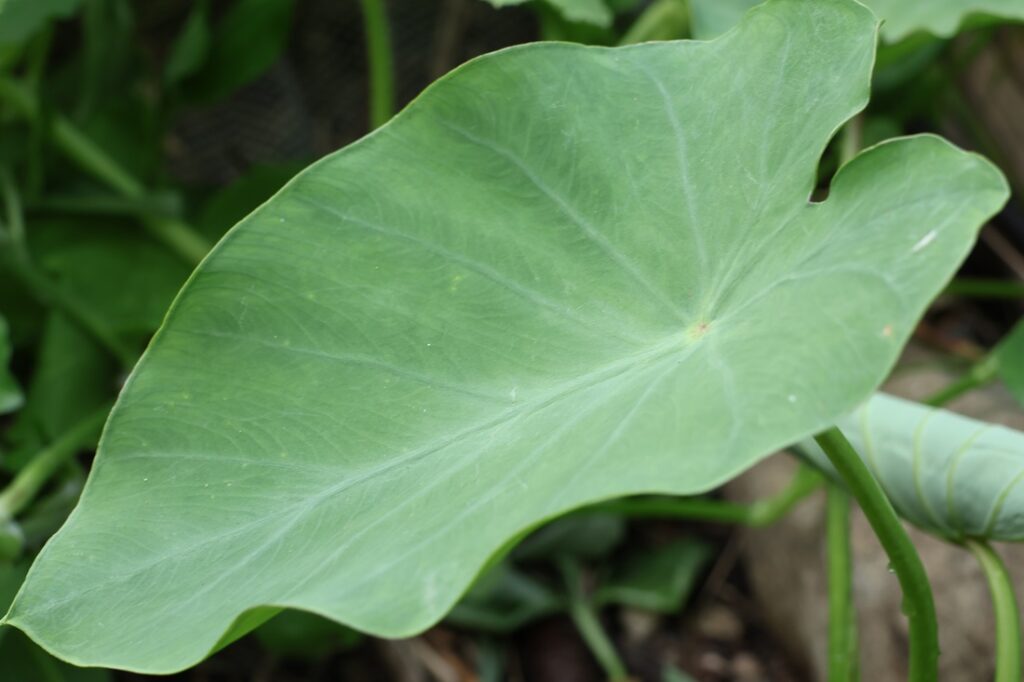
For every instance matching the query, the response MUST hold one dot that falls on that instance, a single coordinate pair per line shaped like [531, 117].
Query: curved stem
[1004, 604]
[583, 615]
[842, 617]
[378, 54]
[22, 490]
[761, 513]
[918, 604]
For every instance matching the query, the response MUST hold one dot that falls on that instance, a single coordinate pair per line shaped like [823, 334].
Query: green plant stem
[1004, 604]
[760, 513]
[986, 288]
[842, 617]
[23, 489]
[977, 376]
[918, 604]
[584, 616]
[187, 243]
[378, 55]
[662, 20]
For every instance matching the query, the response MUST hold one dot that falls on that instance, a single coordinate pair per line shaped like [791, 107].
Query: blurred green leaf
[588, 535]
[659, 579]
[11, 397]
[228, 206]
[73, 376]
[114, 267]
[246, 42]
[192, 47]
[300, 634]
[24, 661]
[505, 599]
[1009, 355]
[20, 19]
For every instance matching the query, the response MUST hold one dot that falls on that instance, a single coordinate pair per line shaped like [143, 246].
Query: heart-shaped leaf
[951, 475]
[901, 17]
[562, 275]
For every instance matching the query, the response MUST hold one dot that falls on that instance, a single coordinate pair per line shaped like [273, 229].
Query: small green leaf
[596, 12]
[563, 274]
[11, 397]
[659, 579]
[951, 475]
[1009, 357]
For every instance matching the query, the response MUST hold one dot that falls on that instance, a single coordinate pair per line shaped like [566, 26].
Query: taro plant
[563, 276]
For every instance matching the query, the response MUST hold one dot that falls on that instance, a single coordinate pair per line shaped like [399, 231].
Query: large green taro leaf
[900, 17]
[562, 275]
[951, 475]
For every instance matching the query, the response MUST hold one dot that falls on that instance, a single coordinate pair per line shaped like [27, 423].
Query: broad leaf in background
[595, 12]
[900, 18]
[516, 298]
[951, 475]
[10, 393]
[659, 579]
[20, 19]
[1009, 357]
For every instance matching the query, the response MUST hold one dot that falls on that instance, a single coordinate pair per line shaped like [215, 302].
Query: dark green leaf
[505, 599]
[192, 46]
[246, 42]
[11, 397]
[659, 579]
[20, 19]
